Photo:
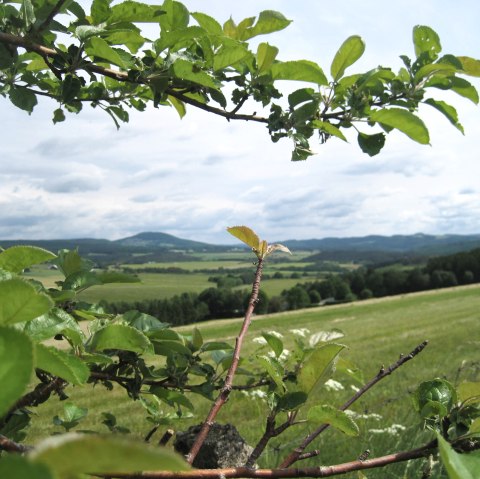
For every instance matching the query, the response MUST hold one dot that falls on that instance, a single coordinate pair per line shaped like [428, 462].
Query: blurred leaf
[17, 258]
[274, 342]
[471, 66]
[274, 369]
[18, 467]
[458, 466]
[229, 55]
[246, 235]
[70, 455]
[447, 110]
[266, 54]
[268, 21]
[426, 40]
[130, 11]
[468, 390]
[16, 366]
[291, 401]
[20, 301]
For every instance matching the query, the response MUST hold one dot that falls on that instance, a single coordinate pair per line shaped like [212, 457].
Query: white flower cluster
[302, 332]
[357, 415]
[283, 357]
[332, 385]
[256, 394]
[393, 430]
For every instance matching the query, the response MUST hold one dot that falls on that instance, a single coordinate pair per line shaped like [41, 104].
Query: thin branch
[123, 77]
[55, 11]
[320, 471]
[383, 373]
[8, 445]
[227, 387]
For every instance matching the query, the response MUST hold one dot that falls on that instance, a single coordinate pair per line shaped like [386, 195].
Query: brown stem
[123, 76]
[55, 11]
[297, 452]
[227, 386]
[320, 471]
[8, 445]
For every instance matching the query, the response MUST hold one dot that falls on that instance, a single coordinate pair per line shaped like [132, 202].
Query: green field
[377, 331]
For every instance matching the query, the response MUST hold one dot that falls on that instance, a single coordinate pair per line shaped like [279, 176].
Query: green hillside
[376, 332]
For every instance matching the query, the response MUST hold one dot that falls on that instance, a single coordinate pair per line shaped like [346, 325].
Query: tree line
[225, 300]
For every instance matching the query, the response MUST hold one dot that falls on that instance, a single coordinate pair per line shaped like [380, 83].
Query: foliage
[58, 50]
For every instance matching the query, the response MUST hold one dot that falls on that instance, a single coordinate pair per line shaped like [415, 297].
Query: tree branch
[227, 387]
[123, 77]
[297, 452]
[55, 11]
[320, 471]
[8, 445]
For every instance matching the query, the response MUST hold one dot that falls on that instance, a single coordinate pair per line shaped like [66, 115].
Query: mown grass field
[377, 331]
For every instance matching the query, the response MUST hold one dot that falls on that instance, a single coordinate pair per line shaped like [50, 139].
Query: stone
[224, 447]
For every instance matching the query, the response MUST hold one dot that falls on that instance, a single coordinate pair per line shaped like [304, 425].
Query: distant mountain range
[161, 246]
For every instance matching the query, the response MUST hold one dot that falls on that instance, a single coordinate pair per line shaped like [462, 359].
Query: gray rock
[224, 447]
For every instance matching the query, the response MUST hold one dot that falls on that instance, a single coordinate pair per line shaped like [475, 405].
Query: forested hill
[156, 246]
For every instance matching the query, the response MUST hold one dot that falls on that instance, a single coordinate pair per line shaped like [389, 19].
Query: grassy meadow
[376, 332]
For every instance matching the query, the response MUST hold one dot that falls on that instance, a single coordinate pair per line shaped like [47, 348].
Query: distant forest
[223, 301]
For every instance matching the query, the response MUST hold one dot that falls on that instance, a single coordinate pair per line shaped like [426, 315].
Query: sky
[194, 177]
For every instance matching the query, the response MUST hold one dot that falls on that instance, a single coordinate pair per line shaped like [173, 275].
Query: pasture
[376, 332]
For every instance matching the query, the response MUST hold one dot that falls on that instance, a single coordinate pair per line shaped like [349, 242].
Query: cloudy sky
[193, 177]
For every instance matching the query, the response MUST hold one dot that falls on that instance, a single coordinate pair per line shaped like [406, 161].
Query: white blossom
[332, 385]
[259, 340]
[393, 430]
[302, 332]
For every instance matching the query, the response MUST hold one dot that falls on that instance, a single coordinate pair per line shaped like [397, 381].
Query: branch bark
[320, 471]
[296, 454]
[227, 387]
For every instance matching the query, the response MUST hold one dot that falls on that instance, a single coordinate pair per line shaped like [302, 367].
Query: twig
[296, 454]
[8, 445]
[55, 11]
[166, 437]
[320, 471]
[123, 76]
[227, 386]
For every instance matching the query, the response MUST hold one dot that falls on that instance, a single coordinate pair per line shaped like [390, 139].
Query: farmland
[376, 332]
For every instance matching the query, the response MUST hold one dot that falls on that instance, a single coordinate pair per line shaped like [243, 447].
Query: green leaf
[177, 38]
[274, 369]
[197, 339]
[371, 144]
[98, 47]
[464, 88]
[178, 105]
[328, 128]
[229, 55]
[16, 366]
[447, 110]
[72, 454]
[403, 121]
[471, 66]
[120, 336]
[81, 280]
[23, 98]
[318, 366]
[58, 116]
[172, 398]
[437, 391]
[176, 16]
[458, 466]
[246, 235]
[427, 41]
[468, 390]
[301, 70]
[100, 11]
[135, 12]
[84, 32]
[274, 342]
[6, 57]
[268, 21]
[61, 364]
[349, 52]
[18, 467]
[167, 348]
[291, 401]
[72, 415]
[188, 71]
[215, 346]
[20, 301]
[54, 322]
[17, 258]
[143, 322]
[27, 13]
[69, 262]
[208, 23]
[71, 86]
[327, 414]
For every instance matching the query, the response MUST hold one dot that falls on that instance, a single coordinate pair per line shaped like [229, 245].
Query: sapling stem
[227, 386]
[297, 453]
